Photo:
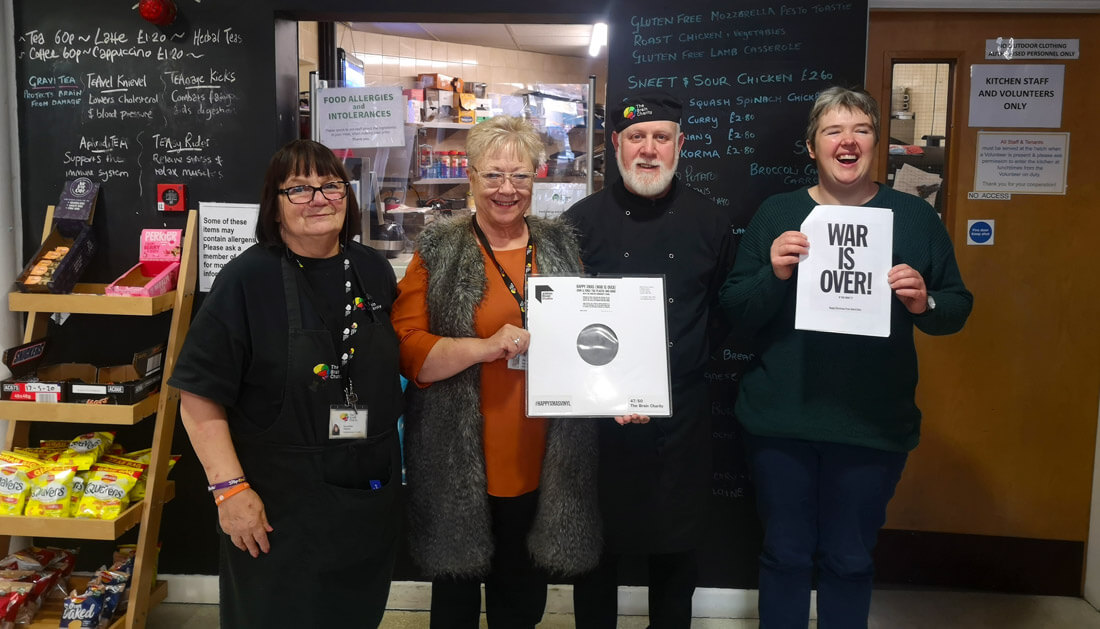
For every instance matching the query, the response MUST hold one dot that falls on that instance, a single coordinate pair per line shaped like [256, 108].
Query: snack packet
[50, 487]
[83, 611]
[14, 484]
[138, 492]
[105, 492]
[85, 450]
[80, 480]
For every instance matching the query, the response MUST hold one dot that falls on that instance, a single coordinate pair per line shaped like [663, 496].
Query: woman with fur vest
[495, 497]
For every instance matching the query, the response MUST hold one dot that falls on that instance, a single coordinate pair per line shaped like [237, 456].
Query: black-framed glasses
[496, 180]
[333, 191]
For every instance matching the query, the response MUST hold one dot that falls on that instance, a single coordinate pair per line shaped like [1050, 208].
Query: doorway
[918, 128]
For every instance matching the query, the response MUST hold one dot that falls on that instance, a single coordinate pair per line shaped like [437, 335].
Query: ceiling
[570, 40]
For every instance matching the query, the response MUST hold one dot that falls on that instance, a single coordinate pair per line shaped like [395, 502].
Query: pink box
[158, 268]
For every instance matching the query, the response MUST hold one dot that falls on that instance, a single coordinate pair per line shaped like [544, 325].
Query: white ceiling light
[598, 40]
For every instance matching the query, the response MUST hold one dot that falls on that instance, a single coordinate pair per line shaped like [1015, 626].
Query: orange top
[514, 444]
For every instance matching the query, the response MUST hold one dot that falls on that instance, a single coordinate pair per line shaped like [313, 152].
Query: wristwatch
[931, 304]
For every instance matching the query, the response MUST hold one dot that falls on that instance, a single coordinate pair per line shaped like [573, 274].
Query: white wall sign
[1016, 95]
[225, 230]
[1023, 163]
[1009, 48]
[360, 117]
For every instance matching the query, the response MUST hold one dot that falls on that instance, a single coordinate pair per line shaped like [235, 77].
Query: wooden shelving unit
[90, 299]
[49, 617]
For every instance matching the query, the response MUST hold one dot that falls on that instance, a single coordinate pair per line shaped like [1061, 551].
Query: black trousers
[672, 578]
[515, 589]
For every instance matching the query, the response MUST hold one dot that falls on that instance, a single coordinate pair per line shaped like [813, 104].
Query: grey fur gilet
[445, 462]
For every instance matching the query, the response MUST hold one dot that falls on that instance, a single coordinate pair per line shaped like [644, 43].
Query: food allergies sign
[360, 117]
[842, 285]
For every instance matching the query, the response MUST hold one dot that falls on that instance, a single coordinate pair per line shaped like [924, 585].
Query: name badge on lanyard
[347, 422]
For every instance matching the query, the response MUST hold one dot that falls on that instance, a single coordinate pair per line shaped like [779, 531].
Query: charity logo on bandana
[321, 369]
[629, 113]
[359, 303]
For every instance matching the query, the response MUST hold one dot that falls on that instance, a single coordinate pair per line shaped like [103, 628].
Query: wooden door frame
[955, 58]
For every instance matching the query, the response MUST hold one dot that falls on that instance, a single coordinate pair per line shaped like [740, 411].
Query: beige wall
[927, 85]
[1010, 403]
[392, 60]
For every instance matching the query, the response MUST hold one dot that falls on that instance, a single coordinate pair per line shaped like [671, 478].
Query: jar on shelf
[425, 161]
[437, 167]
[462, 164]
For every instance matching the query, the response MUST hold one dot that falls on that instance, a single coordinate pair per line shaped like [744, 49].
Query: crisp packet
[80, 480]
[85, 450]
[105, 492]
[138, 492]
[83, 611]
[14, 484]
[50, 486]
[42, 454]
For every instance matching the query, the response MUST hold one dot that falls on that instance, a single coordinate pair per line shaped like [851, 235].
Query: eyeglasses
[333, 191]
[495, 180]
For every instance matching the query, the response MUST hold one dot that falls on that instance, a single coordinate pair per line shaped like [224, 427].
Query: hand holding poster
[842, 285]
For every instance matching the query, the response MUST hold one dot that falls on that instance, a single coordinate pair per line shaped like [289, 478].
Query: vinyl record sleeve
[599, 347]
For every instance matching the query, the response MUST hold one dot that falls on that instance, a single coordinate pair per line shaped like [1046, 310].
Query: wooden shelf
[50, 614]
[79, 528]
[117, 414]
[91, 299]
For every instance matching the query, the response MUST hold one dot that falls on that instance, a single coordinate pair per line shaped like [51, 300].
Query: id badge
[347, 422]
[518, 362]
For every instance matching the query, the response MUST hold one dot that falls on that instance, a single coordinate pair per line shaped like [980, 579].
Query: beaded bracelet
[225, 484]
[218, 500]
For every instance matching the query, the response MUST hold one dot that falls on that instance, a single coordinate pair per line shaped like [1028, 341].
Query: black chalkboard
[104, 94]
[747, 74]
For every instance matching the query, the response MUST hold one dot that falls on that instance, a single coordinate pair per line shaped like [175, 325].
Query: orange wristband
[233, 491]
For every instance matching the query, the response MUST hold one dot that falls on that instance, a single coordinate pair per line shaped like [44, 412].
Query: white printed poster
[842, 285]
[599, 346]
[1017, 95]
[1022, 163]
[225, 230]
[360, 117]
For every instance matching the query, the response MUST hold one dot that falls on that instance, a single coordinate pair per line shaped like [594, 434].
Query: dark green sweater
[838, 388]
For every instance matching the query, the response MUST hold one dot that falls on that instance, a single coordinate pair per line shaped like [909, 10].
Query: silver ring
[516, 341]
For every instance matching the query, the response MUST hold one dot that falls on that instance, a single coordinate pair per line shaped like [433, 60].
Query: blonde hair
[501, 134]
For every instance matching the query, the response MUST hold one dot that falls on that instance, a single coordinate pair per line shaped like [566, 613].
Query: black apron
[655, 478]
[334, 538]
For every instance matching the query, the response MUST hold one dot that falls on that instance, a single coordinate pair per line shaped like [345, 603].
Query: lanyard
[528, 259]
[353, 303]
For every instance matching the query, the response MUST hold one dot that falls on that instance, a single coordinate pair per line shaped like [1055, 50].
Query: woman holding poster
[830, 418]
[494, 496]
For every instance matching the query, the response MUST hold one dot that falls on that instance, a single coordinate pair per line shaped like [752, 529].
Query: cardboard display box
[79, 382]
[67, 250]
[31, 381]
[121, 384]
[158, 266]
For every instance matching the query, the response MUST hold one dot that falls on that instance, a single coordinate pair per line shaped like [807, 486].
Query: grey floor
[890, 609]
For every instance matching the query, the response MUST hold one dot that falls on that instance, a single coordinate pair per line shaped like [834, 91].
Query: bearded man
[654, 476]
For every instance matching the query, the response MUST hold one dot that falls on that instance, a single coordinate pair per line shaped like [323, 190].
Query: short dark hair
[302, 158]
[842, 97]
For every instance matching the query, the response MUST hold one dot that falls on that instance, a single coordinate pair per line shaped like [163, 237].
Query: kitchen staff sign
[1016, 95]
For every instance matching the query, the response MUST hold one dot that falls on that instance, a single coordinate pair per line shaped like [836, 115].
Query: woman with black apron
[291, 396]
